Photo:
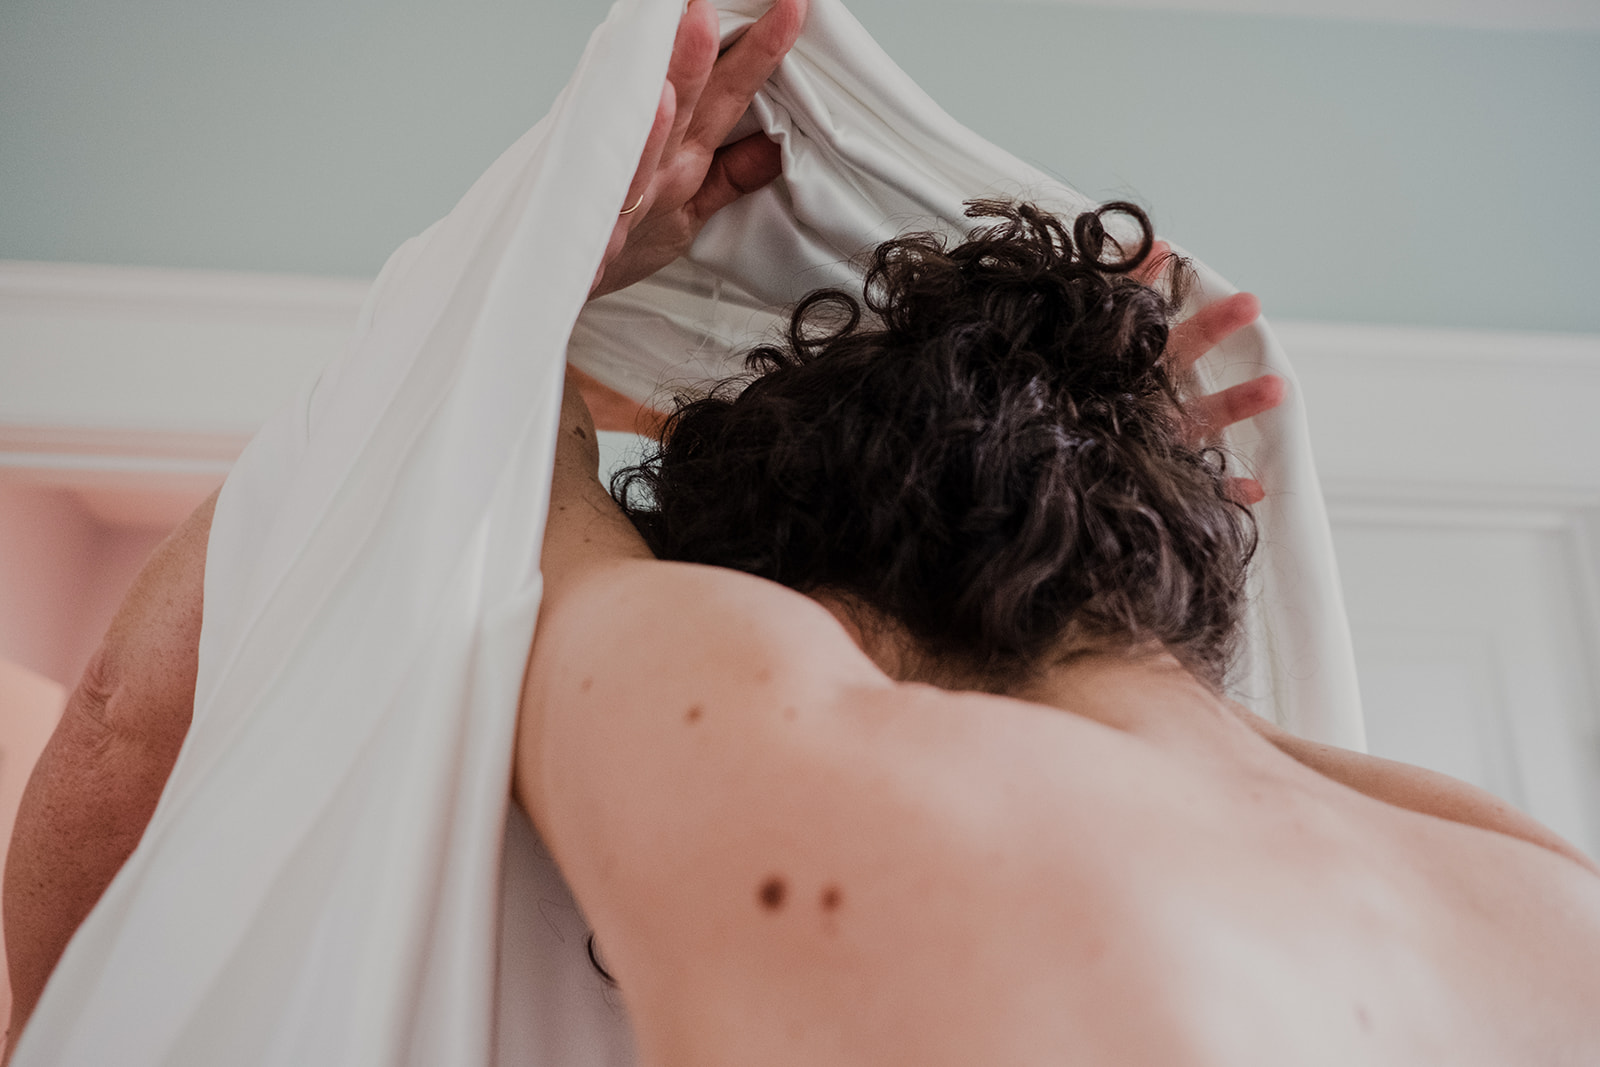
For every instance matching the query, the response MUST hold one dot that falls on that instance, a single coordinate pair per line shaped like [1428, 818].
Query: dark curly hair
[994, 459]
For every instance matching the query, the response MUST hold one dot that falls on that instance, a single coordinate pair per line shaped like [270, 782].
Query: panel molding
[1469, 505]
[1395, 411]
[95, 288]
[174, 366]
[1508, 412]
[1497, 348]
[88, 448]
[185, 364]
[1572, 517]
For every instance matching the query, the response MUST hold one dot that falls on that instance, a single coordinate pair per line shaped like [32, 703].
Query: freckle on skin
[693, 714]
[588, 684]
[832, 898]
[789, 714]
[764, 675]
[772, 893]
[579, 431]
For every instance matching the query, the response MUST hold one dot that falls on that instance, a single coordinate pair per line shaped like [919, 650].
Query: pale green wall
[1344, 171]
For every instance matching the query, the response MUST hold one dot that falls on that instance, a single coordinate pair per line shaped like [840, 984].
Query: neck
[1138, 691]
[1146, 693]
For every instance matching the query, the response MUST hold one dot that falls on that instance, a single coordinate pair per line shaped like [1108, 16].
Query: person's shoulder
[1417, 789]
[666, 619]
[671, 641]
[648, 675]
[636, 644]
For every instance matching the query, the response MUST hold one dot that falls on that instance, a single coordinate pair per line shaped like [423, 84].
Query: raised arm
[685, 175]
[97, 782]
[676, 715]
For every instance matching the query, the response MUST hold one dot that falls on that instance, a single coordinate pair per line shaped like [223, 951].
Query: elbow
[88, 715]
[100, 775]
[82, 813]
[114, 710]
[111, 752]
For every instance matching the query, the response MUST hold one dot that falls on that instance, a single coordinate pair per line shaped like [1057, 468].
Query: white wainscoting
[1462, 471]
[172, 370]
[1463, 485]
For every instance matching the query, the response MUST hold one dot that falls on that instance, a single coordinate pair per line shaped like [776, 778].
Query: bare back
[791, 859]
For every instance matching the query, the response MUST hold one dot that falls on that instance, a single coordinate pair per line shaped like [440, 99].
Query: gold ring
[635, 207]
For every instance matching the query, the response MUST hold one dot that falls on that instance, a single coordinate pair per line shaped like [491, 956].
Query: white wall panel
[144, 349]
[1476, 654]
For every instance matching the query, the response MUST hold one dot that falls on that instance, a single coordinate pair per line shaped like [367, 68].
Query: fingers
[694, 53]
[1154, 265]
[654, 146]
[1246, 491]
[742, 70]
[1206, 328]
[1211, 414]
[737, 169]
[1189, 340]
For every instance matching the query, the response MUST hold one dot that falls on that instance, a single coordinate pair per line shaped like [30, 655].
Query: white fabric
[319, 883]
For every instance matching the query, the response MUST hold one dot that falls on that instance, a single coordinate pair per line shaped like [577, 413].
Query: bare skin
[97, 781]
[796, 852]
[792, 854]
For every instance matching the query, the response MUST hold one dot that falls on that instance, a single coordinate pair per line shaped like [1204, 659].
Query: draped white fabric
[322, 882]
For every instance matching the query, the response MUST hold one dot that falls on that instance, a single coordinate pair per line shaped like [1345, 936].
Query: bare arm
[612, 756]
[585, 528]
[97, 781]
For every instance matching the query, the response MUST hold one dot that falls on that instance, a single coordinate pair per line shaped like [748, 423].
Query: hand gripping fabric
[332, 875]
